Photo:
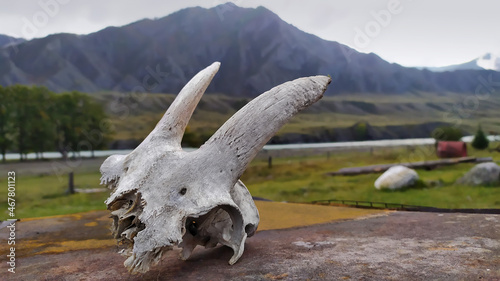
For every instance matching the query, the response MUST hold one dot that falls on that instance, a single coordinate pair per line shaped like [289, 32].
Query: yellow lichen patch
[334, 262]
[77, 216]
[276, 215]
[276, 277]
[22, 247]
[65, 246]
[38, 247]
[93, 223]
[32, 244]
[104, 218]
[443, 249]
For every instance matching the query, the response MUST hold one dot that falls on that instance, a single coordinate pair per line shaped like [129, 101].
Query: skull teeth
[125, 214]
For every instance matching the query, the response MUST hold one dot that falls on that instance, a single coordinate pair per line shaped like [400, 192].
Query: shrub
[480, 140]
[447, 134]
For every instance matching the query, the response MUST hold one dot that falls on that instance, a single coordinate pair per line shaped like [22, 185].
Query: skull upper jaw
[151, 228]
[222, 224]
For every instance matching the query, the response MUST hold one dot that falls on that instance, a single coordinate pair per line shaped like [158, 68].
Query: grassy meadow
[304, 180]
[292, 179]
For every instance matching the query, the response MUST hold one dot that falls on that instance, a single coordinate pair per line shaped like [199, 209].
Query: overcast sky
[411, 33]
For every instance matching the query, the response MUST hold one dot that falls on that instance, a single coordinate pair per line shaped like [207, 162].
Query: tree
[480, 140]
[6, 126]
[78, 124]
[41, 132]
[36, 119]
[447, 134]
[95, 134]
[21, 118]
[360, 131]
[68, 123]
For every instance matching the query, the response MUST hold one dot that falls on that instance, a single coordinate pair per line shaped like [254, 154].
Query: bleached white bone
[164, 197]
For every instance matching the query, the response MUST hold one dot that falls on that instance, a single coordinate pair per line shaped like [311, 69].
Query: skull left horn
[164, 197]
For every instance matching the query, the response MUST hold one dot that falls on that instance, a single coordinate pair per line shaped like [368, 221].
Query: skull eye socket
[183, 191]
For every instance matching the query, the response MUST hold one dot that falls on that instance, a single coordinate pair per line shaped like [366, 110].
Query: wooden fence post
[71, 186]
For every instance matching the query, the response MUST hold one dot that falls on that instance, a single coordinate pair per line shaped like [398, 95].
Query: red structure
[450, 149]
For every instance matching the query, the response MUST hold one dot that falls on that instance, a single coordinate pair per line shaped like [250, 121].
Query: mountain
[257, 49]
[487, 61]
[6, 40]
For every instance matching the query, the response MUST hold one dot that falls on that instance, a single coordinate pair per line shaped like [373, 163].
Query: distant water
[351, 144]
[57, 155]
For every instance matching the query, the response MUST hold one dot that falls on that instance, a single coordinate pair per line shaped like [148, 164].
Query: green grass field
[38, 196]
[296, 179]
[304, 180]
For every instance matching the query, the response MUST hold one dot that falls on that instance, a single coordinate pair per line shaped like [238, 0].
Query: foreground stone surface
[332, 244]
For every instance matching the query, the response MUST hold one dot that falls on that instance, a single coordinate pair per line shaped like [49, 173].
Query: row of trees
[34, 119]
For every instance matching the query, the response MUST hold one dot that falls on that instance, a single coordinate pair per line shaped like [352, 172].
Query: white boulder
[482, 174]
[396, 177]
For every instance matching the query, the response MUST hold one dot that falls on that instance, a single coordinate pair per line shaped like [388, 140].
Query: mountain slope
[334, 118]
[8, 40]
[488, 61]
[257, 50]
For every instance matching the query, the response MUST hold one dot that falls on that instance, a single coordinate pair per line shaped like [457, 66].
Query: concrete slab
[344, 244]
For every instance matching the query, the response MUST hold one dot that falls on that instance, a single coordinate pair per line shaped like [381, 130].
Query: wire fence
[401, 207]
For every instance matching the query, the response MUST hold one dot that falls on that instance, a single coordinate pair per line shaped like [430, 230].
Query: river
[274, 147]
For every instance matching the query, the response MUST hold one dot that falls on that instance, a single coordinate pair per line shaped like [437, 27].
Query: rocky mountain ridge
[257, 50]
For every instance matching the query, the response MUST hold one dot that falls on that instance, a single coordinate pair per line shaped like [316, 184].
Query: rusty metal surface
[450, 149]
[390, 246]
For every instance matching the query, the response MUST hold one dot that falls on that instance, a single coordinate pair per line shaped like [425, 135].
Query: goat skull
[164, 197]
